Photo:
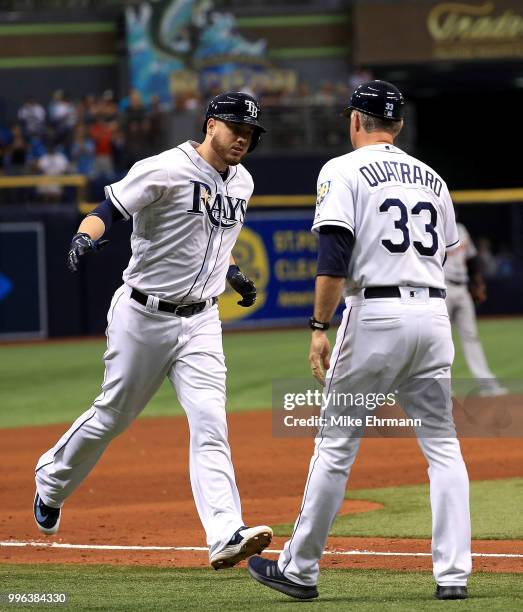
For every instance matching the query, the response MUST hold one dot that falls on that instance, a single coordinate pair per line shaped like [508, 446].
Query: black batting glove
[80, 245]
[243, 285]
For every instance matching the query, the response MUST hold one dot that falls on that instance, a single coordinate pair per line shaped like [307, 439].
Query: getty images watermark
[419, 407]
[342, 416]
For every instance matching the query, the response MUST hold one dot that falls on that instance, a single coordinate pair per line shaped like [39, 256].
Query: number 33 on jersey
[399, 211]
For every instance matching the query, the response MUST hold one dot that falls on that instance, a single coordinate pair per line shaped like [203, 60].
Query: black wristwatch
[314, 324]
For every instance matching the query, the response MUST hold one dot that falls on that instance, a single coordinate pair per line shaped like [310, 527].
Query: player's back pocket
[380, 322]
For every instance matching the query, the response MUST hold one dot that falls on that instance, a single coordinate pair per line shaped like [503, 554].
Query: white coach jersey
[399, 211]
[186, 219]
[456, 264]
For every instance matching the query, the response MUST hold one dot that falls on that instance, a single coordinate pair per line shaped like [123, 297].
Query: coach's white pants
[463, 315]
[382, 344]
[144, 347]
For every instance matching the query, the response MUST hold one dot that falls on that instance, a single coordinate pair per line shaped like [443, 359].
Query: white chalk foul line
[370, 553]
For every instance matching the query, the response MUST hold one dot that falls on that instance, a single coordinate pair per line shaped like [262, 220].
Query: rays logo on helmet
[252, 108]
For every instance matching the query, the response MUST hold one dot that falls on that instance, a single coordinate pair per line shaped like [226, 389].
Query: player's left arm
[90, 231]
[241, 283]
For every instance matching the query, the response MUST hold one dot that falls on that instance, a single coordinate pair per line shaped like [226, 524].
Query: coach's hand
[319, 355]
[243, 285]
[80, 245]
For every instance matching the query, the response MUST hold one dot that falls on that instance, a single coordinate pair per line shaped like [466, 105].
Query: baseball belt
[388, 292]
[181, 310]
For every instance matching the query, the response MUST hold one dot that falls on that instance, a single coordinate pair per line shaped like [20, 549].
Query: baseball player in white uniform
[188, 206]
[387, 219]
[464, 286]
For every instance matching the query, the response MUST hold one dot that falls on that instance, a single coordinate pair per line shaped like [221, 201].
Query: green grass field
[54, 383]
[495, 512]
[140, 588]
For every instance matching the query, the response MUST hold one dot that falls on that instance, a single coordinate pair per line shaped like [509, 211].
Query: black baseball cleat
[245, 542]
[451, 592]
[47, 518]
[268, 573]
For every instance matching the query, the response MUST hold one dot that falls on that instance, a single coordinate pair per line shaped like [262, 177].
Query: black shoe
[451, 592]
[268, 573]
[47, 518]
[245, 542]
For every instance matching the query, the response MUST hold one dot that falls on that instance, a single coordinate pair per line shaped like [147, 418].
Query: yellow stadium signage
[437, 30]
[458, 21]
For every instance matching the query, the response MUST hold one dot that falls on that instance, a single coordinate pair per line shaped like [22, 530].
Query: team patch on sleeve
[323, 190]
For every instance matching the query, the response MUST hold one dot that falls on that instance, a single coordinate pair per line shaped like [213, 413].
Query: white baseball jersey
[456, 264]
[399, 211]
[186, 219]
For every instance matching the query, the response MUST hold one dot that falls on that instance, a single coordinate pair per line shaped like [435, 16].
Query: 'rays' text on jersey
[377, 172]
[224, 211]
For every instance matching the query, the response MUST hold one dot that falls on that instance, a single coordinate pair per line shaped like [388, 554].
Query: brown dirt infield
[139, 493]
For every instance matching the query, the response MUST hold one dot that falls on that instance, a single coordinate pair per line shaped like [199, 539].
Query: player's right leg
[139, 350]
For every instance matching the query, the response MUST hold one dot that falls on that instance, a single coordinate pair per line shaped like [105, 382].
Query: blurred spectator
[135, 142]
[187, 101]
[272, 97]
[107, 108]
[118, 150]
[505, 262]
[157, 124]
[36, 149]
[16, 152]
[62, 114]
[52, 163]
[303, 94]
[83, 151]
[86, 109]
[32, 117]
[102, 134]
[325, 95]
[135, 110]
[487, 259]
[359, 76]
[342, 93]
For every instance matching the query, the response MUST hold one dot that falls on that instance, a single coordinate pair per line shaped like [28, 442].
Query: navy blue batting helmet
[377, 98]
[236, 107]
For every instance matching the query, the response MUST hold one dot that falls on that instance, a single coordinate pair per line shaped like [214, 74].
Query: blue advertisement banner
[23, 307]
[278, 251]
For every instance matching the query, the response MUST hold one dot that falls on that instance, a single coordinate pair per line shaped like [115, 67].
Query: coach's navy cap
[377, 98]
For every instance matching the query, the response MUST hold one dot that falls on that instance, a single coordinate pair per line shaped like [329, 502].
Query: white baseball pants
[381, 344]
[143, 347]
[463, 315]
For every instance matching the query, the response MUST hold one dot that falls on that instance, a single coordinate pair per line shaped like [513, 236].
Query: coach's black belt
[182, 310]
[386, 292]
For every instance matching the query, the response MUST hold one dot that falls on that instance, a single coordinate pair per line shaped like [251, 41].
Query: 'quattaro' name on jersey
[378, 172]
[234, 208]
